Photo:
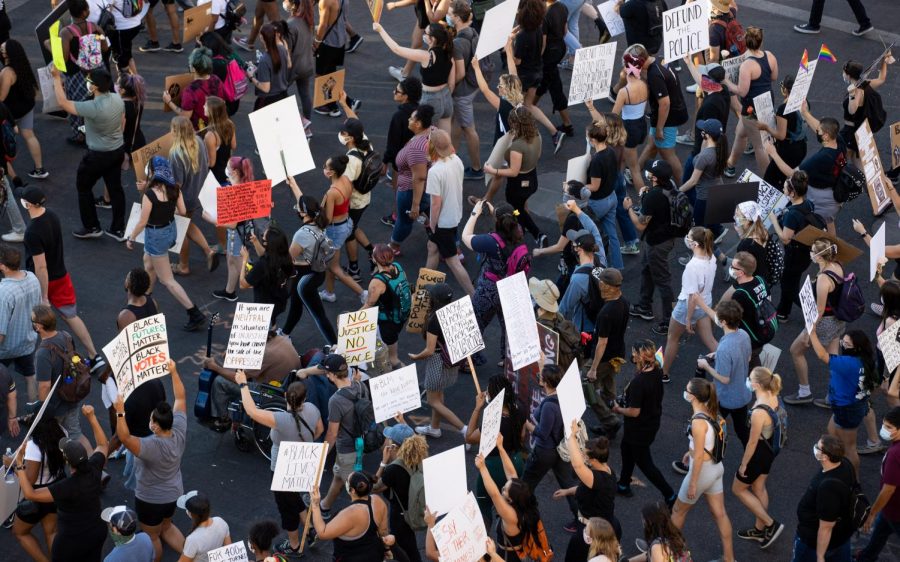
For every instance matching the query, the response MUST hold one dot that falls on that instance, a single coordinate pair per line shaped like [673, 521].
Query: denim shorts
[233, 242]
[338, 233]
[849, 417]
[441, 101]
[157, 241]
[669, 134]
[679, 314]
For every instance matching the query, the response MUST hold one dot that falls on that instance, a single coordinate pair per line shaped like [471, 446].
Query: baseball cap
[660, 169]
[611, 276]
[582, 239]
[398, 433]
[160, 171]
[710, 127]
[440, 291]
[715, 71]
[545, 293]
[334, 363]
[441, 142]
[122, 518]
[33, 194]
[73, 450]
[193, 502]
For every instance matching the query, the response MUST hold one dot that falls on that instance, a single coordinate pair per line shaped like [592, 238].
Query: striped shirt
[17, 298]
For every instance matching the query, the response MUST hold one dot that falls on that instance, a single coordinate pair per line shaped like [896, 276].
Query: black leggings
[795, 264]
[639, 454]
[405, 537]
[518, 190]
[738, 421]
[304, 292]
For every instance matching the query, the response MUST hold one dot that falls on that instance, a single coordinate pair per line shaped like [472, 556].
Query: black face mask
[849, 351]
[819, 138]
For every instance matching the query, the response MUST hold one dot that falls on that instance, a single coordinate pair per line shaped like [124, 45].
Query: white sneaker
[327, 296]
[396, 73]
[428, 431]
[13, 237]
[364, 296]
[692, 89]
[686, 139]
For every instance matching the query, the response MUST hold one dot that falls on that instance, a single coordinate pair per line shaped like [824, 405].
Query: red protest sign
[236, 203]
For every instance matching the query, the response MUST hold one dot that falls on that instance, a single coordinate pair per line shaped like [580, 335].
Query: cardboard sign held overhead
[56, 48]
[249, 332]
[496, 27]
[244, 201]
[328, 88]
[140, 157]
[808, 304]
[196, 21]
[685, 30]
[298, 467]
[397, 391]
[175, 85]
[139, 353]
[356, 335]
[571, 397]
[460, 327]
[421, 301]
[801, 87]
[876, 180]
[529, 392]
[181, 228]
[283, 148]
[461, 536]
[515, 302]
[445, 480]
[846, 251]
[490, 424]
[611, 18]
[723, 198]
[592, 73]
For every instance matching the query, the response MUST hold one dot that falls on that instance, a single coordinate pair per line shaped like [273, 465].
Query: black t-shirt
[828, 499]
[663, 82]
[645, 391]
[133, 136]
[555, 27]
[605, 166]
[612, 321]
[397, 480]
[570, 258]
[77, 497]
[759, 252]
[655, 204]
[44, 236]
[634, 14]
[794, 125]
[747, 295]
[824, 166]
[528, 50]
[268, 289]
[140, 403]
[797, 217]
[716, 105]
[600, 499]
[501, 121]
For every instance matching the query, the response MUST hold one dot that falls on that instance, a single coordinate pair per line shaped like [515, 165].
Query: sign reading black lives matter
[249, 332]
[460, 328]
[592, 73]
[139, 353]
[297, 466]
[685, 30]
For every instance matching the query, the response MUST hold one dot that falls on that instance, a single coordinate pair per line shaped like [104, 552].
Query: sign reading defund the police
[139, 353]
[356, 335]
[249, 331]
[298, 466]
[685, 30]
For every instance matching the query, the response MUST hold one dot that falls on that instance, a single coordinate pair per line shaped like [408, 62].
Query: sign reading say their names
[592, 72]
[421, 300]
[445, 480]
[460, 328]
[611, 18]
[496, 27]
[397, 391]
[249, 331]
[234, 552]
[571, 397]
[518, 311]
[244, 201]
[801, 87]
[356, 335]
[490, 424]
[139, 353]
[889, 345]
[282, 151]
[461, 535]
[876, 251]
[297, 466]
[685, 30]
[808, 304]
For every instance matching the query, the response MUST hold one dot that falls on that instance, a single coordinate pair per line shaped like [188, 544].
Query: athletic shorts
[851, 416]
[152, 514]
[463, 110]
[710, 481]
[445, 240]
[390, 331]
[636, 130]
[61, 294]
[760, 463]
[421, 15]
[669, 134]
[343, 465]
[355, 216]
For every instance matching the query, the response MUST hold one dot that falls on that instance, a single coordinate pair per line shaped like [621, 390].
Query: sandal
[177, 270]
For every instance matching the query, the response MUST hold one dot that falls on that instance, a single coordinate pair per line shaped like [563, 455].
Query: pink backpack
[236, 82]
[518, 259]
[90, 50]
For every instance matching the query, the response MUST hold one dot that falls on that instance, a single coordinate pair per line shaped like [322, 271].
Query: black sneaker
[680, 467]
[624, 491]
[666, 379]
[863, 29]
[355, 104]
[353, 272]
[752, 534]
[771, 533]
[117, 235]
[661, 329]
[571, 526]
[569, 130]
[85, 233]
[354, 43]
[39, 174]
[640, 312]
[150, 47]
[286, 548]
[225, 295]
[173, 48]
[388, 220]
[102, 203]
[806, 29]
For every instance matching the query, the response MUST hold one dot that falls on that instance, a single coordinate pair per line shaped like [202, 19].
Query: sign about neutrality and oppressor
[498, 23]
[397, 391]
[592, 73]
[801, 87]
[490, 424]
[460, 328]
[445, 480]
[181, 228]
[515, 301]
[461, 536]
[249, 330]
[139, 353]
[421, 301]
[298, 467]
[244, 201]
[685, 30]
[282, 151]
[876, 180]
[808, 304]
[356, 335]
[234, 552]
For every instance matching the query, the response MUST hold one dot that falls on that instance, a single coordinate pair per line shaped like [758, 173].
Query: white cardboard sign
[249, 331]
[496, 27]
[801, 87]
[461, 536]
[769, 356]
[571, 397]
[592, 72]
[876, 251]
[207, 196]
[808, 303]
[282, 145]
[611, 18]
[769, 199]
[297, 466]
[397, 391]
[765, 112]
[445, 480]
[890, 348]
[577, 168]
[685, 30]
[139, 353]
[515, 301]
[460, 328]
[181, 228]
[732, 66]
[490, 424]
[357, 335]
[234, 552]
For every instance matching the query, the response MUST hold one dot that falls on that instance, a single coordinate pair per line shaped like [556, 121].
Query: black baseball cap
[73, 450]
[334, 363]
[660, 169]
[33, 194]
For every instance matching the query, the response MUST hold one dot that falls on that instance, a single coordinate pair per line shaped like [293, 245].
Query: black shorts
[152, 514]
[421, 16]
[531, 80]
[636, 131]
[356, 216]
[43, 510]
[445, 240]
[328, 59]
[760, 463]
[153, 3]
[390, 331]
[290, 504]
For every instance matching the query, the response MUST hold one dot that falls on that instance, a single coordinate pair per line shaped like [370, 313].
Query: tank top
[146, 310]
[389, 308]
[19, 100]
[360, 548]
[633, 111]
[342, 208]
[438, 72]
[759, 85]
[834, 297]
[708, 441]
[223, 153]
[161, 212]
[336, 36]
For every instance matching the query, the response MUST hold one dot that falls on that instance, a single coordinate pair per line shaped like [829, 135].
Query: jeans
[634, 453]
[95, 165]
[655, 275]
[12, 209]
[403, 225]
[881, 532]
[795, 265]
[573, 35]
[629, 232]
[304, 292]
[542, 461]
[818, 6]
[605, 209]
[803, 553]
[304, 91]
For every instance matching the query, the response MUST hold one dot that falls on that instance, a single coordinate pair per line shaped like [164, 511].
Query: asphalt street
[238, 483]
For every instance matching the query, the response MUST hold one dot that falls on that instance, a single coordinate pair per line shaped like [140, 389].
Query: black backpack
[850, 183]
[370, 173]
[76, 374]
[365, 426]
[655, 9]
[766, 323]
[681, 213]
[594, 301]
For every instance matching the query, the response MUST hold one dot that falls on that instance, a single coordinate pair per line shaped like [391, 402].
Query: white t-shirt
[219, 7]
[204, 539]
[33, 453]
[354, 169]
[109, 392]
[600, 558]
[698, 277]
[123, 23]
[445, 179]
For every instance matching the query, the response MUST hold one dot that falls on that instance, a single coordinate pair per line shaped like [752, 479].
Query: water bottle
[359, 454]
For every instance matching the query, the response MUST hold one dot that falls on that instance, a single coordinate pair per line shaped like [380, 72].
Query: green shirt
[102, 121]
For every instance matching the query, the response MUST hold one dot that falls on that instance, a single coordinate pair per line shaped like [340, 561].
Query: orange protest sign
[175, 85]
[236, 203]
[140, 157]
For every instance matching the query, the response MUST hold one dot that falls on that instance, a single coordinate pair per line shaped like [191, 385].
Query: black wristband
[242, 385]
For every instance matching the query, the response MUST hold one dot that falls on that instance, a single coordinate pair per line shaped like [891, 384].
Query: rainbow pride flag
[804, 60]
[826, 54]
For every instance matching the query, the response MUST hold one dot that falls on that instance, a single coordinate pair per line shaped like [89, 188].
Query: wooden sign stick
[474, 375]
[309, 508]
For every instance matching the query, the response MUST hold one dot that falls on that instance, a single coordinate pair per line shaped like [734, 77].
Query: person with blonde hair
[399, 461]
[755, 240]
[749, 484]
[601, 539]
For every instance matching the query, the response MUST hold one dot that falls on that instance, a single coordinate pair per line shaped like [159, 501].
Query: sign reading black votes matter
[685, 30]
[139, 353]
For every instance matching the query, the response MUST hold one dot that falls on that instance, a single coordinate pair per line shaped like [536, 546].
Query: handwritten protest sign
[571, 397]
[445, 479]
[140, 157]
[56, 48]
[421, 301]
[181, 228]
[685, 30]
[895, 145]
[496, 26]
[48, 93]
[328, 88]
[592, 73]
[525, 380]
[808, 303]
[175, 85]
[611, 18]
[461, 535]
[889, 344]
[249, 331]
[139, 353]
[397, 391]
[375, 8]
[196, 21]
[460, 328]
[765, 112]
[515, 301]
[876, 251]
[234, 552]
[876, 180]
[490, 424]
[298, 467]
[769, 198]
[244, 201]
[356, 335]
[732, 67]
[801, 87]
[283, 153]
[207, 197]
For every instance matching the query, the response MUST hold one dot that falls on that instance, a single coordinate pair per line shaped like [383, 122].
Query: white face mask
[816, 453]
[449, 20]
[733, 272]
[686, 395]
[689, 243]
[885, 434]
[748, 384]
[586, 536]
[24, 204]
[342, 139]
[425, 39]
